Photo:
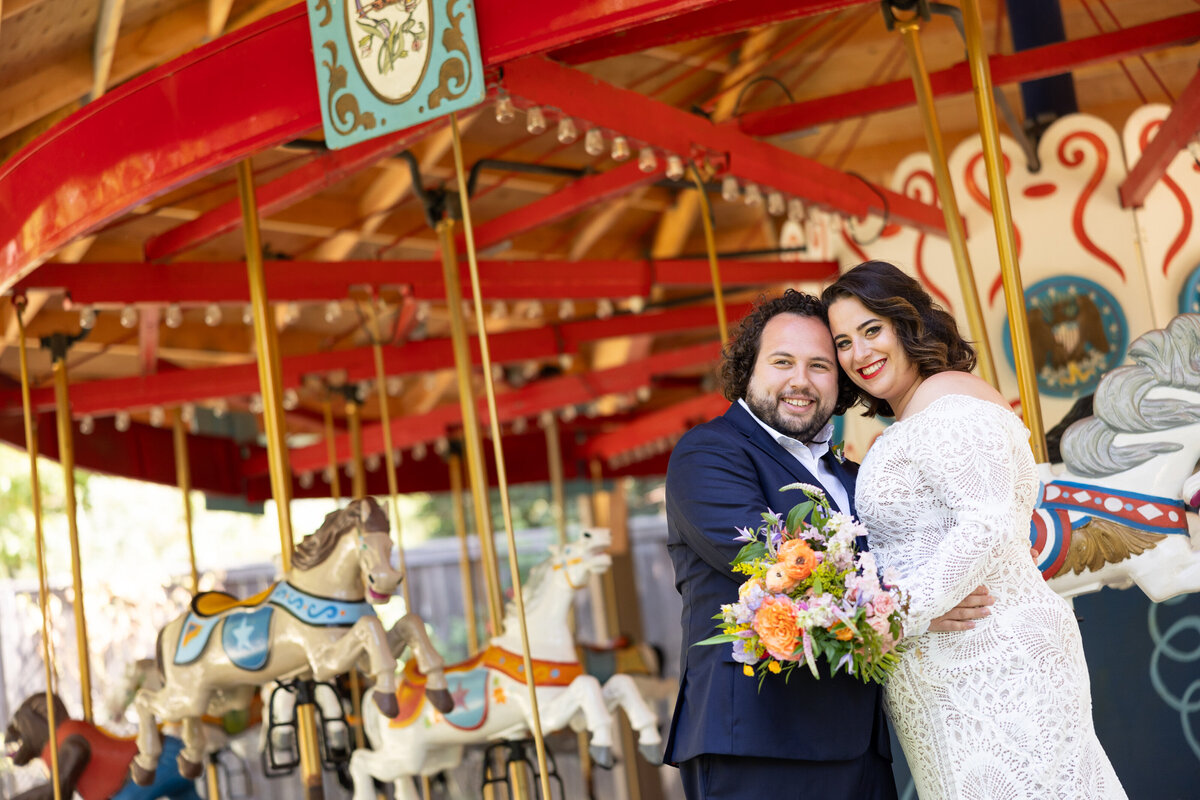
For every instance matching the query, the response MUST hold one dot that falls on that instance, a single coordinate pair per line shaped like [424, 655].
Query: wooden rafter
[108, 25]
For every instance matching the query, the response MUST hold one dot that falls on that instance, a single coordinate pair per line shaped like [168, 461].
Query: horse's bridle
[563, 563]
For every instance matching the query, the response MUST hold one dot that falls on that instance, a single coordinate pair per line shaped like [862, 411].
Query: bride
[1003, 710]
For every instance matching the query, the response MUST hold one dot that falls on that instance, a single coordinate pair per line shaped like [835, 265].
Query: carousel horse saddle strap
[210, 604]
[1140, 511]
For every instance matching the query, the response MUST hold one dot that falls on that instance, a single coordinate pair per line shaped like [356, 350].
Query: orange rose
[778, 580]
[777, 628]
[797, 558]
[842, 633]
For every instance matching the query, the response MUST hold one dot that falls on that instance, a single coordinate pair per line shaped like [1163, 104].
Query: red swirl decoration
[1073, 158]
[1186, 228]
[919, 248]
[982, 200]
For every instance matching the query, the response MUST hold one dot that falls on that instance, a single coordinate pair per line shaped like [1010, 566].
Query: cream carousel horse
[1115, 513]
[318, 621]
[491, 698]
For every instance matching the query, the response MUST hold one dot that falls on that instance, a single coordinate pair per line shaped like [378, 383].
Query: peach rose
[778, 581]
[884, 604]
[797, 558]
[777, 627]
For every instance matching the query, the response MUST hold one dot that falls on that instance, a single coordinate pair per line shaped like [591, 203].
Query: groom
[804, 738]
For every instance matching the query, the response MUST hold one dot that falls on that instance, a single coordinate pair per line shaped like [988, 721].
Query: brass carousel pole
[464, 557]
[271, 383]
[710, 243]
[1010, 270]
[66, 455]
[335, 486]
[43, 584]
[910, 31]
[498, 453]
[183, 476]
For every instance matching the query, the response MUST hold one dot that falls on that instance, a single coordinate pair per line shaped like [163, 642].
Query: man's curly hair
[741, 352]
[927, 333]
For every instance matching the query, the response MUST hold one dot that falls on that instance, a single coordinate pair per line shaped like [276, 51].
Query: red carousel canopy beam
[252, 89]
[655, 426]
[1038, 62]
[1179, 128]
[115, 283]
[581, 95]
[322, 172]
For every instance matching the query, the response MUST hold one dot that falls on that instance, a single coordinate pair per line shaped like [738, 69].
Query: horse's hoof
[441, 699]
[652, 753]
[601, 756]
[141, 776]
[188, 770]
[387, 704]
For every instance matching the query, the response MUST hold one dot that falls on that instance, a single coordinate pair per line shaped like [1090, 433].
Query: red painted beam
[580, 95]
[690, 272]
[1038, 62]
[576, 196]
[1180, 127]
[715, 19]
[657, 425]
[322, 172]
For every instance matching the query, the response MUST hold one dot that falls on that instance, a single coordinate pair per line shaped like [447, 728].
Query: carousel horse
[318, 621]
[1116, 513]
[491, 698]
[91, 761]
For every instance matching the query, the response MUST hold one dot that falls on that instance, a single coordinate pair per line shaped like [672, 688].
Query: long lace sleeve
[966, 454]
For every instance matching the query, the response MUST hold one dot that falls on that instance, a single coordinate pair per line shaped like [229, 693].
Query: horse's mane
[31, 721]
[533, 590]
[1165, 358]
[317, 546]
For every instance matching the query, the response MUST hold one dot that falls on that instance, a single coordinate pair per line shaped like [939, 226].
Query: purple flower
[740, 655]
[745, 535]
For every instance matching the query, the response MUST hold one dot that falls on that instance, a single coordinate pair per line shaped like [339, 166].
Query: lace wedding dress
[1003, 710]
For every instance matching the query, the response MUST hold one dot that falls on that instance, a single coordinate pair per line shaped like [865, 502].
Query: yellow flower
[748, 670]
[774, 667]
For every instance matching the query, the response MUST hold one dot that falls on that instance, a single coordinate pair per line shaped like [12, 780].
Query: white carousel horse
[318, 621]
[1116, 512]
[491, 697]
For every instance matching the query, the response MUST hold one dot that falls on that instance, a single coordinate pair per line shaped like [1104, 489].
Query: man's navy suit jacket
[723, 475]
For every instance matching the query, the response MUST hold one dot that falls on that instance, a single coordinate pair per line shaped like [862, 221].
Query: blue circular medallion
[1077, 331]
[1189, 298]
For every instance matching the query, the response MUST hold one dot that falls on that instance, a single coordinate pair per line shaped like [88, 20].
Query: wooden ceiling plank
[108, 25]
[218, 16]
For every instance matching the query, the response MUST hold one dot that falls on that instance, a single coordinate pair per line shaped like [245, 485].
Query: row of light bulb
[643, 452]
[213, 315]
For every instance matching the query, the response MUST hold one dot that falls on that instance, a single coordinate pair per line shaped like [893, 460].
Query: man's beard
[766, 408]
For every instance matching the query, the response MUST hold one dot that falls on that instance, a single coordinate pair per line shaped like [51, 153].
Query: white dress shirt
[809, 456]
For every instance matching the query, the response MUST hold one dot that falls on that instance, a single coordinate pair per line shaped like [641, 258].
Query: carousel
[352, 254]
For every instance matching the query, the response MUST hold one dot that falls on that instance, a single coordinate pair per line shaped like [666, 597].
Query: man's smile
[801, 403]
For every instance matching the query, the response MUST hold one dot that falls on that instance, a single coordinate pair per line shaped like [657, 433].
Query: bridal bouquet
[808, 594]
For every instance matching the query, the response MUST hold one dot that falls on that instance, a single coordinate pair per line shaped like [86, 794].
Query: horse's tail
[158, 658]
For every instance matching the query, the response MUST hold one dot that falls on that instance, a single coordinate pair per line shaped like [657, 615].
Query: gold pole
[464, 553]
[358, 482]
[43, 587]
[476, 469]
[213, 780]
[183, 475]
[710, 242]
[271, 384]
[335, 487]
[555, 465]
[601, 518]
[66, 455]
[910, 31]
[1010, 270]
[498, 453]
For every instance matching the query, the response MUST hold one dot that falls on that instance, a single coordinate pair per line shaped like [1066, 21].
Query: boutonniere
[839, 452]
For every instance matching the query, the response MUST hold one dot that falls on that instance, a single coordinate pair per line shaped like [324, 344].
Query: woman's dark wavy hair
[740, 354]
[927, 333]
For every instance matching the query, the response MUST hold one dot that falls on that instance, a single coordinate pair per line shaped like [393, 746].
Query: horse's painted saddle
[475, 683]
[246, 632]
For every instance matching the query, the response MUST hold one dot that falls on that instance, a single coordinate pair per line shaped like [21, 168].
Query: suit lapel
[848, 478]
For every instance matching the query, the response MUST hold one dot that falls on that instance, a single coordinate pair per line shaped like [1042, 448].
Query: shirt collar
[818, 447]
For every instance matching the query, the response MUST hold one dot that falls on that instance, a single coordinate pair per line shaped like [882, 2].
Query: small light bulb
[129, 317]
[327, 474]
[637, 304]
[534, 310]
[565, 360]
[620, 149]
[394, 385]
[775, 204]
[212, 315]
[519, 426]
[568, 414]
[593, 142]
[545, 419]
[220, 408]
[174, 316]
[795, 209]
[535, 121]
[506, 112]
[397, 456]
[753, 195]
[497, 373]
[729, 189]
[418, 451]
[350, 470]
[121, 422]
[157, 416]
[441, 446]
[291, 399]
[248, 315]
[675, 168]
[423, 309]
[647, 161]
[187, 414]
[87, 318]
[604, 308]
[333, 311]
[566, 309]
[306, 480]
[643, 394]
[86, 424]
[499, 310]
[371, 462]
[567, 132]
[256, 404]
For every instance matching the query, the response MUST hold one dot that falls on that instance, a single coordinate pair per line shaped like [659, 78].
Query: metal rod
[476, 469]
[43, 585]
[601, 517]
[335, 484]
[498, 452]
[212, 778]
[464, 553]
[358, 481]
[1010, 270]
[710, 242]
[910, 32]
[554, 463]
[183, 476]
[66, 455]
